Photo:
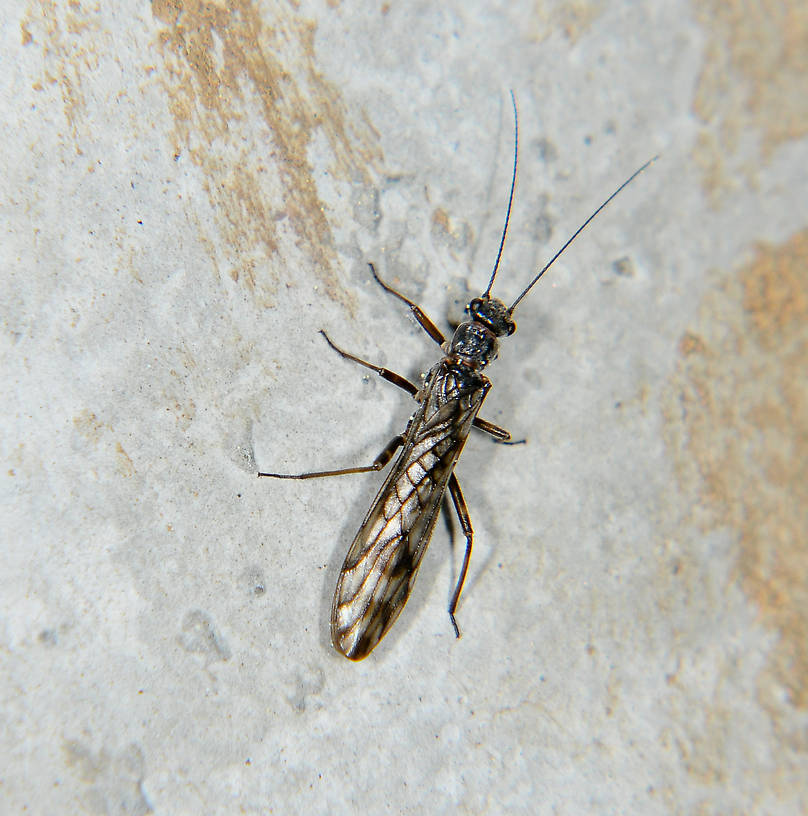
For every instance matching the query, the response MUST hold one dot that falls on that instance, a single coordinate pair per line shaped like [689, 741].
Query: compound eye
[511, 327]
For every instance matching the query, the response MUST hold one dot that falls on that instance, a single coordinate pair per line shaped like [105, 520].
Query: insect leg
[446, 514]
[379, 462]
[498, 434]
[385, 373]
[465, 523]
[426, 324]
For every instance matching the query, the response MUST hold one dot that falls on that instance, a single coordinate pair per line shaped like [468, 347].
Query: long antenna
[510, 197]
[578, 232]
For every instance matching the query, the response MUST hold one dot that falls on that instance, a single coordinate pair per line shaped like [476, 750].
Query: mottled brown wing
[381, 565]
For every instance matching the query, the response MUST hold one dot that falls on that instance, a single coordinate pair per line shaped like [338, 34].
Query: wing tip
[354, 649]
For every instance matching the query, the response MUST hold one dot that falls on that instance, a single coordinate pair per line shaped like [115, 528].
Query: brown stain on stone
[573, 17]
[89, 426]
[123, 464]
[225, 66]
[63, 33]
[752, 82]
[455, 235]
[737, 428]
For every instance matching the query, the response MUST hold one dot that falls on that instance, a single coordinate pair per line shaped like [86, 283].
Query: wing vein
[382, 563]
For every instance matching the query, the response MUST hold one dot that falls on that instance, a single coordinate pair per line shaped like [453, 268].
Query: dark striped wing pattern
[381, 565]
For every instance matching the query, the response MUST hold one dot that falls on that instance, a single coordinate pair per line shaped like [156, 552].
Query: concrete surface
[191, 190]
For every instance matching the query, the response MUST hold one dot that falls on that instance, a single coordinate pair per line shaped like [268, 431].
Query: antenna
[510, 197]
[576, 233]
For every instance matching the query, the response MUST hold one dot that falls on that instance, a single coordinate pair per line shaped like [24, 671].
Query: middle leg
[498, 434]
[378, 463]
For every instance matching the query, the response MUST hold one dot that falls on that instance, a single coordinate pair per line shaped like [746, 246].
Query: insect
[382, 563]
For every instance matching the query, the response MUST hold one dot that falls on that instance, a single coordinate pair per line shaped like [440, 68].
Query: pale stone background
[190, 191]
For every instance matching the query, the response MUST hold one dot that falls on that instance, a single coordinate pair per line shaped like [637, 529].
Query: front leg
[423, 321]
